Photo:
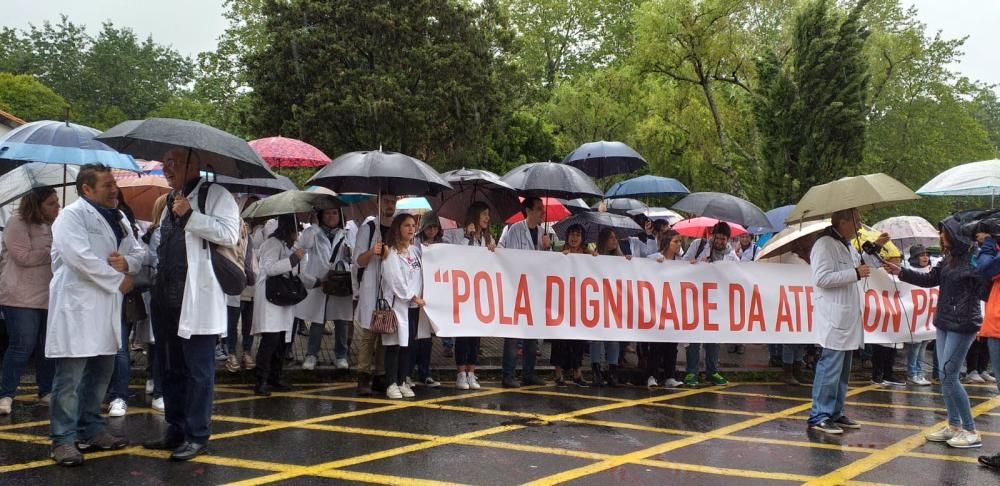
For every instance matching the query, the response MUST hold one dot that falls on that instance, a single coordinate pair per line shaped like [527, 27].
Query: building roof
[10, 120]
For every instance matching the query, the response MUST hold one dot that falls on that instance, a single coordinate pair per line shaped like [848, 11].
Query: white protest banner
[545, 295]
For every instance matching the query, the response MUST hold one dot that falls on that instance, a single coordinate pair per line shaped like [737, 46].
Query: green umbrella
[861, 192]
[290, 202]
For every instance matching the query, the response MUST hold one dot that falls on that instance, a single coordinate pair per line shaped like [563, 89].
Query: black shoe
[364, 384]
[846, 423]
[379, 384]
[165, 443]
[992, 462]
[827, 426]
[561, 383]
[280, 386]
[533, 381]
[188, 451]
[612, 376]
[511, 383]
[892, 381]
[262, 389]
[580, 382]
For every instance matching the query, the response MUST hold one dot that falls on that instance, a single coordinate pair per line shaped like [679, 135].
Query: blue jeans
[77, 390]
[914, 353]
[774, 351]
[611, 348]
[26, 329]
[792, 353]
[830, 385]
[951, 348]
[123, 361]
[993, 344]
[711, 358]
[510, 357]
[316, 339]
[240, 319]
[448, 343]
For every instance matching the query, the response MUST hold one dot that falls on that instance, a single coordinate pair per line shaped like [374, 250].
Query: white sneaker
[341, 364]
[5, 405]
[149, 387]
[473, 381]
[672, 383]
[408, 382]
[965, 440]
[944, 434]
[118, 408]
[407, 391]
[431, 383]
[158, 404]
[309, 363]
[974, 378]
[988, 377]
[651, 382]
[462, 382]
[918, 380]
[393, 392]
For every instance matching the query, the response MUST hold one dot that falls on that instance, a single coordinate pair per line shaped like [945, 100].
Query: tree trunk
[726, 166]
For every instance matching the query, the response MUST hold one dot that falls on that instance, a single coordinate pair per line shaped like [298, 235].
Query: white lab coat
[318, 250]
[403, 281]
[750, 254]
[640, 249]
[517, 236]
[837, 316]
[268, 317]
[203, 311]
[705, 251]
[85, 305]
[369, 281]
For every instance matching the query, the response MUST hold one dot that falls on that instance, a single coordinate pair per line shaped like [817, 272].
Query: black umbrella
[594, 222]
[255, 186]
[549, 179]
[621, 205]
[378, 172]
[473, 185]
[575, 206]
[603, 159]
[220, 152]
[724, 207]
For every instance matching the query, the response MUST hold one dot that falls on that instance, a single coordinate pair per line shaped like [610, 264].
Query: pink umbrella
[696, 227]
[281, 152]
[554, 211]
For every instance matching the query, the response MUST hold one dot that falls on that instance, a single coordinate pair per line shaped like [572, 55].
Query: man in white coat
[94, 255]
[189, 302]
[526, 234]
[369, 246]
[836, 269]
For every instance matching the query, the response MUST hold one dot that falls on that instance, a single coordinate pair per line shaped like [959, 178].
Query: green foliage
[23, 96]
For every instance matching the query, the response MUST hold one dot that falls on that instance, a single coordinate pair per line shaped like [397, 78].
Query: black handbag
[284, 290]
[338, 282]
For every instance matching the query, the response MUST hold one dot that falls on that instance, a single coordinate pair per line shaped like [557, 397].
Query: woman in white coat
[326, 246]
[273, 322]
[403, 287]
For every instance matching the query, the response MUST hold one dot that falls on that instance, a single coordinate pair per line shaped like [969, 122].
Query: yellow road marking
[567, 395]
[380, 478]
[942, 457]
[741, 473]
[709, 410]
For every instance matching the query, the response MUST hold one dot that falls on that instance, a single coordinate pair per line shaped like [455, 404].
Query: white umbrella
[907, 231]
[656, 213]
[973, 179]
[784, 241]
[20, 181]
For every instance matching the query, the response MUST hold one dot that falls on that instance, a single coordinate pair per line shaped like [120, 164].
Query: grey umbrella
[291, 202]
[621, 205]
[724, 207]
[603, 159]
[594, 222]
[549, 179]
[220, 152]
[473, 185]
[255, 186]
[378, 172]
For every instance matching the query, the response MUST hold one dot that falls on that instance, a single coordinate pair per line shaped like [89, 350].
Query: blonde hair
[158, 206]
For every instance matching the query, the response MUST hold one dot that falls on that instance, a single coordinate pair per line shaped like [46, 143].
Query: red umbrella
[281, 152]
[554, 211]
[696, 227]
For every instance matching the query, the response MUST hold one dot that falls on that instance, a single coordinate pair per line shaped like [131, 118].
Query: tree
[26, 98]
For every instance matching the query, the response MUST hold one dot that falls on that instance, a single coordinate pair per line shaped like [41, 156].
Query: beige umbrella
[786, 240]
[141, 193]
[861, 192]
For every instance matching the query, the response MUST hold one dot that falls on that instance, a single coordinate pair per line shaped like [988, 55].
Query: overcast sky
[192, 26]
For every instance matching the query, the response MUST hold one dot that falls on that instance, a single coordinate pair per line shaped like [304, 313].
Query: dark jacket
[960, 286]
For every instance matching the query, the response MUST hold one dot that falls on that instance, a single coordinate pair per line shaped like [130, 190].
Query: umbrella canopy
[219, 152]
[594, 222]
[55, 142]
[724, 207]
[549, 179]
[909, 230]
[696, 227]
[554, 211]
[658, 213]
[378, 172]
[786, 239]
[290, 202]
[20, 181]
[776, 217]
[471, 186]
[140, 193]
[254, 186]
[281, 152]
[575, 206]
[146, 167]
[973, 179]
[861, 192]
[620, 206]
[647, 186]
[413, 205]
[603, 159]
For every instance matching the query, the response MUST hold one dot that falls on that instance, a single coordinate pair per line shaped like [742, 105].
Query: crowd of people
[77, 285]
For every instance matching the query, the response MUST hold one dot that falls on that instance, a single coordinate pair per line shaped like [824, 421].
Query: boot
[788, 378]
[379, 384]
[364, 384]
[612, 376]
[598, 380]
[262, 388]
[797, 372]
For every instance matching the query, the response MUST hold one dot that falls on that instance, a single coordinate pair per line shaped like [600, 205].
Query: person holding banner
[716, 249]
[663, 355]
[527, 234]
[403, 287]
[607, 245]
[958, 319]
[475, 233]
[836, 269]
[567, 354]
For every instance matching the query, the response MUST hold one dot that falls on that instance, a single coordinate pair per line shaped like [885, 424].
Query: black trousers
[398, 364]
[978, 357]
[882, 361]
[660, 355]
[567, 354]
[271, 356]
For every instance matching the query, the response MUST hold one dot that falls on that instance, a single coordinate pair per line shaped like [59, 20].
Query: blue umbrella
[55, 142]
[647, 186]
[603, 159]
[776, 217]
